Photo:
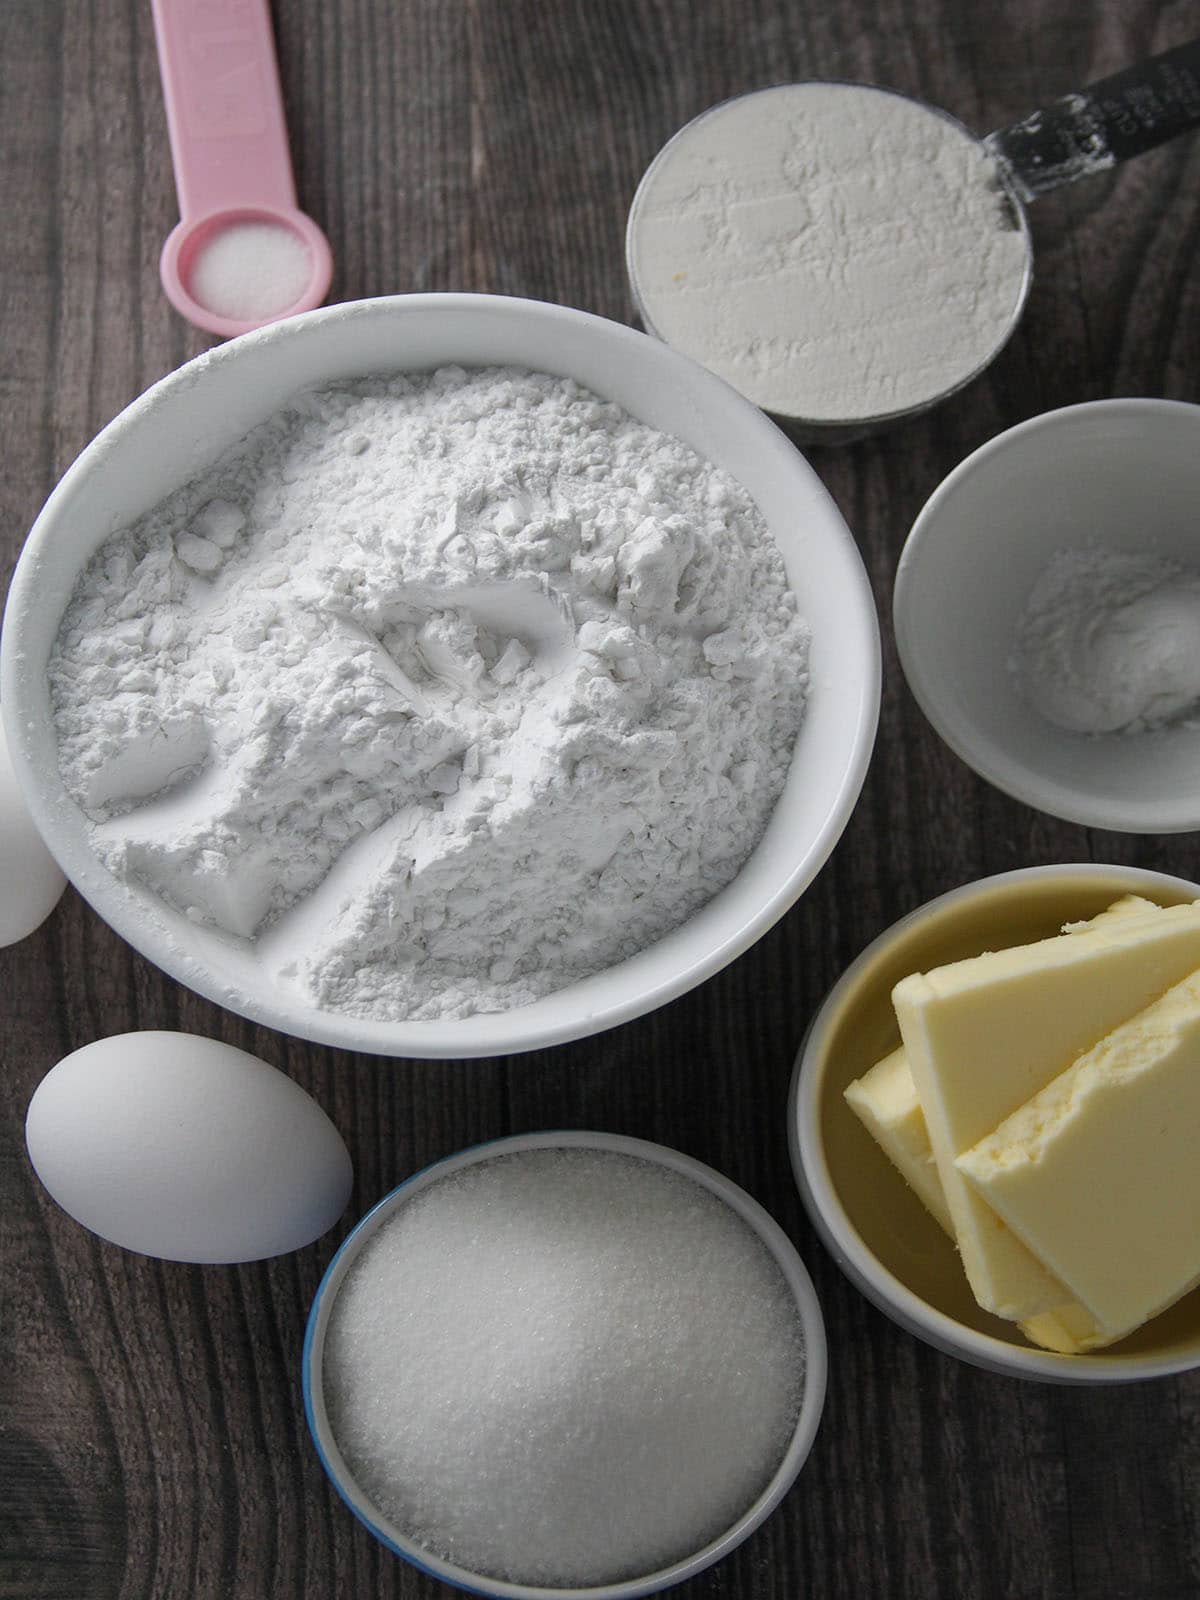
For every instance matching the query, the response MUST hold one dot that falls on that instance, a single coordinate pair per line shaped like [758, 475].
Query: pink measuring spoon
[243, 253]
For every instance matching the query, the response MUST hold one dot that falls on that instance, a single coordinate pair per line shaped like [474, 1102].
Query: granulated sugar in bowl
[564, 1363]
[424, 675]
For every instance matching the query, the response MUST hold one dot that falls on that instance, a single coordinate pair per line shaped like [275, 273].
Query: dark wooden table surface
[152, 1433]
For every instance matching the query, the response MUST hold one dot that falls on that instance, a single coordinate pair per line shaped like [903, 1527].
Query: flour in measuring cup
[835, 251]
[439, 691]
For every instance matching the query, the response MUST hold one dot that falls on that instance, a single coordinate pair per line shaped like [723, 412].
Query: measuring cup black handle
[1122, 116]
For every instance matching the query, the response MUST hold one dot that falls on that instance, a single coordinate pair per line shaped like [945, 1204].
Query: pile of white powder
[836, 252]
[441, 691]
[563, 1368]
[1108, 641]
[250, 270]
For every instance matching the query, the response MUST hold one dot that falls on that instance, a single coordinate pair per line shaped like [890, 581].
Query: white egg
[31, 881]
[185, 1148]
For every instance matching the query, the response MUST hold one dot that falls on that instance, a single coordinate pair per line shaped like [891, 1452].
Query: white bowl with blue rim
[399, 1540]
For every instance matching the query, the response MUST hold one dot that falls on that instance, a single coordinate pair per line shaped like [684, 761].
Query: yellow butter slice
[1099, 1172]
[885, 1102]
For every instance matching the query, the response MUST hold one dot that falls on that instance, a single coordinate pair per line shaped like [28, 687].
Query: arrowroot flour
[441, 691]
[835, 251]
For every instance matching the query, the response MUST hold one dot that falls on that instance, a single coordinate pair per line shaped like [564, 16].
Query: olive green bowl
[872, 1223]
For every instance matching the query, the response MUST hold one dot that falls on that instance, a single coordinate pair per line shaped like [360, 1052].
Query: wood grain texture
[153, 1442]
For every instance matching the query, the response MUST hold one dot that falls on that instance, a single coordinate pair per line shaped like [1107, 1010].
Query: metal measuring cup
[1074, 137]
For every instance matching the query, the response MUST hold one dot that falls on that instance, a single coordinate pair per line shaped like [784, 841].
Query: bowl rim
[760, 1222]
[492, 1033]
[841, 1238]
[986, 758]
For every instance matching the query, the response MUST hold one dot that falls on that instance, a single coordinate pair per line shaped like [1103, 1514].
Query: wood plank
[153, 1440]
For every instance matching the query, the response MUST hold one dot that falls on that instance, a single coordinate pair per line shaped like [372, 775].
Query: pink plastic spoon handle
[229, 144]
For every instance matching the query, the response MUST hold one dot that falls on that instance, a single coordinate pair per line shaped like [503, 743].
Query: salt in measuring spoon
[243, 253]
[730, 194]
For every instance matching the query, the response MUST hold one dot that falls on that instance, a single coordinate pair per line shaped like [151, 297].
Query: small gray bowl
[1123, 475]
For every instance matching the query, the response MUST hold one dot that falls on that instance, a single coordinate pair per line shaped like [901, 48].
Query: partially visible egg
[186, 1148]
[31, 882]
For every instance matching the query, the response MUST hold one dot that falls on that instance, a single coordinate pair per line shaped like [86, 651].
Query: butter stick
[885, 1102]
[1099, 1172]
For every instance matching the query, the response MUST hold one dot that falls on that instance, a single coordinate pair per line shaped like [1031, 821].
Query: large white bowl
[1121, 474]
[184, 423]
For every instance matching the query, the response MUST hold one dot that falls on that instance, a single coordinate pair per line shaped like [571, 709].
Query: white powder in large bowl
[563, 1368]
[835, 251]
[437, 692]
